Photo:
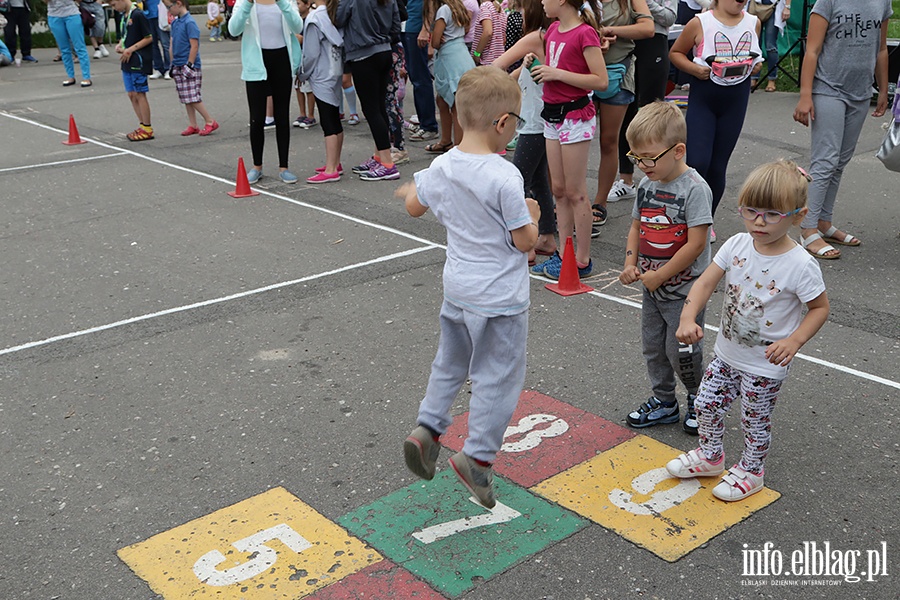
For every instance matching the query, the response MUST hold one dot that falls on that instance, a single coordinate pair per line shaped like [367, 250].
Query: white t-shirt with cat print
[764, 298]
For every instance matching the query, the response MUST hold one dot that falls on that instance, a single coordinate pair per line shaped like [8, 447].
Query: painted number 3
[263, 556]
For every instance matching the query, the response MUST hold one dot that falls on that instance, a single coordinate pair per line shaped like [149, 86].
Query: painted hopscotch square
[382, 581]
[435, 531]
[544, 438]
[266, 547]
[627, 489]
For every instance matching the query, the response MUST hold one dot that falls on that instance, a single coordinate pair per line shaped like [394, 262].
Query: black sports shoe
[690, 419]
[653, 412]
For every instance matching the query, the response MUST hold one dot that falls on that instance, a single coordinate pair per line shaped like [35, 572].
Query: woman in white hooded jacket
[323, 66]
[270, 55]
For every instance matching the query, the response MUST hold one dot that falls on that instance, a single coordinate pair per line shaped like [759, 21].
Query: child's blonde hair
[483, 94]
[458, 11]
[779, 185]
[657, 123]
[590, 14]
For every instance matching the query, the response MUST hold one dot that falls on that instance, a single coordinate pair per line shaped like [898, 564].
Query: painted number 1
[262, 556]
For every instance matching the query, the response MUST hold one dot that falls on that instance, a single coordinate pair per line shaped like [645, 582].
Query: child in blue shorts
[137, 64]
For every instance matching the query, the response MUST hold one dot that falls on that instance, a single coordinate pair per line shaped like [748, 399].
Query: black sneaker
[690, 419]
[653, 412]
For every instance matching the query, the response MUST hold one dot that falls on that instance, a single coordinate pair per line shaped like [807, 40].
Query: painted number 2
[533, 436]
[263, 556]
[659, 502]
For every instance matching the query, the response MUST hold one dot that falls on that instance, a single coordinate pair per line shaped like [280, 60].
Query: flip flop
[821, 253]
[847, 240]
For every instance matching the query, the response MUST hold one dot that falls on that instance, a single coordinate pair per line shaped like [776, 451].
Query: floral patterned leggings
[721, 384]
[394, 99]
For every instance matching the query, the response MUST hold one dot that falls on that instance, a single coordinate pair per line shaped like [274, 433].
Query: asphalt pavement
[185, 373]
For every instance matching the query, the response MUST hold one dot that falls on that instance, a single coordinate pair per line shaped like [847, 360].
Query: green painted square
[489, 543]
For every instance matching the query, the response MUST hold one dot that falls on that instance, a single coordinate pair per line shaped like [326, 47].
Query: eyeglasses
[648, 162]
[519, 120]
[772, 217]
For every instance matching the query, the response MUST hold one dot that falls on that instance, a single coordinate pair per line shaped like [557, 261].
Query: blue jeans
[420, 76]
[164, 37]
[770, 41]
[69, 35]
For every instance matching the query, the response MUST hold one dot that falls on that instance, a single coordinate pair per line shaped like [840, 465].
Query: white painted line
[429, 246]
[61, 162]
[178, 309]
[229, 182]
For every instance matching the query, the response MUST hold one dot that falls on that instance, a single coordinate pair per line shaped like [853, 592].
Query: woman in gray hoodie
[323, 66]
[368, 26]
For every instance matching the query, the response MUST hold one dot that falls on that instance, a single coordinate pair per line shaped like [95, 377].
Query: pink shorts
[570, 131]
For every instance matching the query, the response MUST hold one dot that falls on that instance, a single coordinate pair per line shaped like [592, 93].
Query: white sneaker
[103, 51]
[155, 75]
[97, 53]
[167, 75]
[621, 191]
[737, 485]
[694, 464]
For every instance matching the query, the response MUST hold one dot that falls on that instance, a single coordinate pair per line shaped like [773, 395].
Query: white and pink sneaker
[695, 464]
[738, 484]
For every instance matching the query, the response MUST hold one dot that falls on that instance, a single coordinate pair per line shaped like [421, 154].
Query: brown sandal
[140, 135]
[438, 148]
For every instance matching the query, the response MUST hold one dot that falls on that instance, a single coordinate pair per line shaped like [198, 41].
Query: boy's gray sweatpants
[834, 134]
[667, 357]
[491, 352]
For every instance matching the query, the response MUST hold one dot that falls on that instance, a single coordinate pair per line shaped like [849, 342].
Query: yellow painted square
[628, 490]
[269, 546]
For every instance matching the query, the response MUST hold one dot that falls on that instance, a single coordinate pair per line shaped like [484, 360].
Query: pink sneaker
[191, 130]
[324, 177]
[738, 484]
[209, 128]
[322, 169]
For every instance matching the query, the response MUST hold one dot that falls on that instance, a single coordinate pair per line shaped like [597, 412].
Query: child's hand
[805, 112]
[629, 275]
[529, 58]
[534, 208]
[702, 72]
[542, 73]
[651, 280]
[782, 352]
[689, 333]
[403, 191]
[126, 55]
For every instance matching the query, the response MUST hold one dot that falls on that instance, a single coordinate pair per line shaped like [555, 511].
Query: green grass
[894, 25]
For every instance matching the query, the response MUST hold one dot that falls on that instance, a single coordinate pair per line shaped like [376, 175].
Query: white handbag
[889, 153]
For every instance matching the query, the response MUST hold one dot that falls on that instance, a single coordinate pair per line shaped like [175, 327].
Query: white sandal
[821, 253]
[848, 240]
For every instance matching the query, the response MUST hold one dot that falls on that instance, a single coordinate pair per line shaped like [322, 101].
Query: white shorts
[570, 131]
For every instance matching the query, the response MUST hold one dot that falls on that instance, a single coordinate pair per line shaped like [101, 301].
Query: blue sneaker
[539, 268]
[380, 172]
[287, 177]
[553, 271]
[366, 166]
[653, 412]
[253, 176]
[29, 58]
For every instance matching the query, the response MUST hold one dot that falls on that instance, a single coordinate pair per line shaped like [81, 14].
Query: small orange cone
[242, 186]
[569, 283]
[74, 138]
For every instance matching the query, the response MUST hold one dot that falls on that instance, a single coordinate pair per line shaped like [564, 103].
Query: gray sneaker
[477, 479]
[421, 452]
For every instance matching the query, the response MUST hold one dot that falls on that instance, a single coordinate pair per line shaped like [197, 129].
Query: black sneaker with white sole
[653, 412]
[690, 419]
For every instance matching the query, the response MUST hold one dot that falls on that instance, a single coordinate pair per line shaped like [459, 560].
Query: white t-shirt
[479, 199]
[764, 298]
[451, 29]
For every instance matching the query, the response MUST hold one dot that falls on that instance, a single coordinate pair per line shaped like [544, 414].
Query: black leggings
[279, 84]
[651, 74]
[531, 160]
[371, 76]
[329, 118]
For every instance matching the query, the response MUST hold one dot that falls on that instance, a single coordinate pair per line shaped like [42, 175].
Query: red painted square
[382, 581]
[552, 436]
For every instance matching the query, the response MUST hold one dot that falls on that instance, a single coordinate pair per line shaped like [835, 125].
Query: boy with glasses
[667, 249]
[491, 227]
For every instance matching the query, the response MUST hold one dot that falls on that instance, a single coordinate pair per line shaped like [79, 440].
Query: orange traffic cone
[569, 283]
[242, 186]
[74, 138]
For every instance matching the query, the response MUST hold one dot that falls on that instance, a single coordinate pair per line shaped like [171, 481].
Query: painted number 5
[262, 556]
[659, 502]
